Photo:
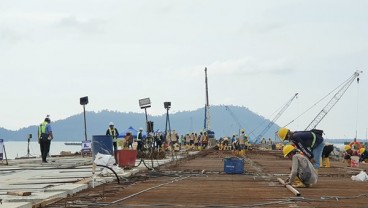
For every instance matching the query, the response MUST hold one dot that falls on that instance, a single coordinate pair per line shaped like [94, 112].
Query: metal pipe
[292, 189]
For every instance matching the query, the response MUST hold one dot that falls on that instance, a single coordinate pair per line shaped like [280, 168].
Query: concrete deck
[60, 178]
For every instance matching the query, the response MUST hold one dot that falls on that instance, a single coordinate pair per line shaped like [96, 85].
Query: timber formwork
[200, 181]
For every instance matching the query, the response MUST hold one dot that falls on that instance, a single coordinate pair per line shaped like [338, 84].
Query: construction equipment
[344, 86]
[264, 131]
[236, 119]
[211, 134]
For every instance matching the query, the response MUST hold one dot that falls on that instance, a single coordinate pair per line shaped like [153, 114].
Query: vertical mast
[207, 107]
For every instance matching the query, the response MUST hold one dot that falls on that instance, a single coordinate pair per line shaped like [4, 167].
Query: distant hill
[225, 121]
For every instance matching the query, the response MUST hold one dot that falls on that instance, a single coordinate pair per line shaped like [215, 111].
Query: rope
[317, 103]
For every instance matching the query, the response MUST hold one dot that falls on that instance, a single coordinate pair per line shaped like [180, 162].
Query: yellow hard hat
[347, 147]
[287, 149]
[361, 150]
[282, 133]
[242, 131]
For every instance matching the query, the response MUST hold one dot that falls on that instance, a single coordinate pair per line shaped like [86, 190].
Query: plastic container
[234, 165]
[126, 158]
[102, 144]
[354, 162]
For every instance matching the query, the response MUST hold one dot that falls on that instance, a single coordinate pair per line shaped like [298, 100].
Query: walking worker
[139, 139]
[112, 131]
[302, 173]
[309, 142]
[44, 138]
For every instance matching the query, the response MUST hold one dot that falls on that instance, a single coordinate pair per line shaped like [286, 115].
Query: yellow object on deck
[325, 162]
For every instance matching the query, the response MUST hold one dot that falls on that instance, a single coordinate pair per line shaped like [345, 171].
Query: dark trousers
[139, 146]
[115, 151]
[45, 148]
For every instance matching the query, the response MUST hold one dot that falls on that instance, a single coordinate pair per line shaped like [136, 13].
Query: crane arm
[275, 118]
[333, 101]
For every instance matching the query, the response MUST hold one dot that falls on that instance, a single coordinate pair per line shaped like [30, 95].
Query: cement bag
[362, 176]
[106, 160]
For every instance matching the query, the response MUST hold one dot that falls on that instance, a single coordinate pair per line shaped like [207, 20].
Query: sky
[258, 55]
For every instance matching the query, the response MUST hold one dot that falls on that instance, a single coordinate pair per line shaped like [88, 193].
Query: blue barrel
[102, 144]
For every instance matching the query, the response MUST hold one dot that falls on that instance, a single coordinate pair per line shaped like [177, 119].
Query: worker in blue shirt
[309, 142]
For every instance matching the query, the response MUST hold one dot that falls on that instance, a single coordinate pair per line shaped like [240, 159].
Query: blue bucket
[234, 165]
[102, 144]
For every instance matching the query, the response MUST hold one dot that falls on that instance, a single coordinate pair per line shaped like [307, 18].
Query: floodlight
[84, 100]
[167, 105]
[144, 103]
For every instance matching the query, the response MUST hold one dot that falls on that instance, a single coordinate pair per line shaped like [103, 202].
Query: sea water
[15, 149]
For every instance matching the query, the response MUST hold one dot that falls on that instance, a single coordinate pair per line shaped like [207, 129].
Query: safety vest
[113, 134]
[139, 134]
[42, 129]
[314, 140]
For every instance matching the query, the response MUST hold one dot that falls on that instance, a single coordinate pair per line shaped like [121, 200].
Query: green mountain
[225, 121]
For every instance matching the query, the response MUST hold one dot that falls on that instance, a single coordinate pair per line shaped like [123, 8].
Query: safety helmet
[282, 133]
[242, 131]
[361, 150]
[347, 147]
[111, 124]
[287, 149]
[140, 129]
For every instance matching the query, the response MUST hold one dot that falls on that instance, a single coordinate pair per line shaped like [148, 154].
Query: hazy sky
[258, 55]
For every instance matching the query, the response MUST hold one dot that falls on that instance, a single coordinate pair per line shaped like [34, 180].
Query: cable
[357, 111]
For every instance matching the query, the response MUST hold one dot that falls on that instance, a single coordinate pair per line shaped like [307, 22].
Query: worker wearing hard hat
[363, 155]
[349, 153]
[140, 139]
[309, 142]
[112, 131]
[302, 172]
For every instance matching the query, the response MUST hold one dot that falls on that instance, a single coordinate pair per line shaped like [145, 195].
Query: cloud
[83, 25]
[244, 67]
[9, 36]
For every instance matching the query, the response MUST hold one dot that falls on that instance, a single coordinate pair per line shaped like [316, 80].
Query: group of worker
[352, 150]
[305, 166]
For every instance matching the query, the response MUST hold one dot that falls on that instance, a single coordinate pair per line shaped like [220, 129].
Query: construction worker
[309, 142]
[241, 141]
[302, 172]
[348, 154]
[263, 142]
[112, 131]
[204, 140]
[139, 139]
[326, 155]
[44, 138]
[363, 155]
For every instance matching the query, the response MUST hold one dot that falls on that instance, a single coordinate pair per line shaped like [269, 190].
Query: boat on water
[73, 143]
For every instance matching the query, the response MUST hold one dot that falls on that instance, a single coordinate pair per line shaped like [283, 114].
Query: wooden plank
[19, 193]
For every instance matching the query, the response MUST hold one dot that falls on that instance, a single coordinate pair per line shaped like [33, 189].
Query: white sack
[362, 176]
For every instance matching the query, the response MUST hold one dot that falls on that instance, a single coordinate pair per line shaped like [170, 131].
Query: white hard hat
[140, 129]
[111, 124]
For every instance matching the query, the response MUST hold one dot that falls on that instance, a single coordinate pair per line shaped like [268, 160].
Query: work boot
[348, 162]
[299, 184]
[327, 160]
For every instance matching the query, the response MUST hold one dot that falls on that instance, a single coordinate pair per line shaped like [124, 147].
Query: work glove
[287, 181]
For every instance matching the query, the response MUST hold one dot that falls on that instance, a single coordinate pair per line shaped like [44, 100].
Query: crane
[275, 118]
[344, 86]
[211, 134]
[234, 117]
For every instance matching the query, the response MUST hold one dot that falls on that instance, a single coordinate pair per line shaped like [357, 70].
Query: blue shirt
[304, 141]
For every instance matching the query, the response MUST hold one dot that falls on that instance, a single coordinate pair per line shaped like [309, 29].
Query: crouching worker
[302, 173]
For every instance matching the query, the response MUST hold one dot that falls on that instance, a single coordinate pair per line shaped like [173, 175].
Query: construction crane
[207, 128]
[344, 86]
[235, 118]
[275, 118]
